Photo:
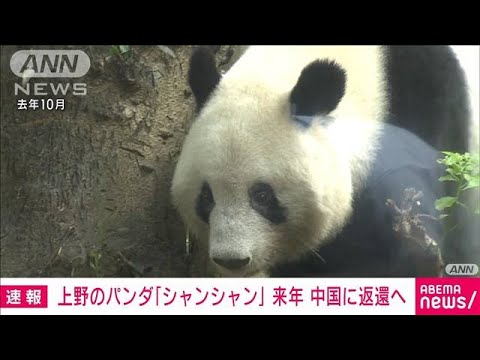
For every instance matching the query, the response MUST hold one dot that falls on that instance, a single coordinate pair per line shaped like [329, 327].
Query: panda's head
[255, 181]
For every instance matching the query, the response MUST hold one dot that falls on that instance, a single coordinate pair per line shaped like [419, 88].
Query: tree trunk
[86, 191]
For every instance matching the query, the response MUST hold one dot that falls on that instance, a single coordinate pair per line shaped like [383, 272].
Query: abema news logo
[447, 296]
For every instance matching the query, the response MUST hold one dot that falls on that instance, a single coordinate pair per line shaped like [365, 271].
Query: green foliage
[124, 51]
[463, 170]
[94, 258]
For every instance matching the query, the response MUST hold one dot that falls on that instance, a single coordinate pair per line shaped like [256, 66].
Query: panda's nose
[231, 263]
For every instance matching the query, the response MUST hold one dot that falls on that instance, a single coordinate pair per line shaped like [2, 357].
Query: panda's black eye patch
[205, 202]
[263, 200]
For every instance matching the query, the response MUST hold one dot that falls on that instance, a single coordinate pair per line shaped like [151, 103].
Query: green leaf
[456, 169]
[123, 48]
[448, 153]
[453, 158]
[447, 178]
[445, 202]
[115, 50]
[474, 181]
[453, 174]
[476, 158]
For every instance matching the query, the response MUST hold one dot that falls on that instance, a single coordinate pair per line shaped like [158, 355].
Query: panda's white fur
[469, 58]
[245, 133]
[276, 69]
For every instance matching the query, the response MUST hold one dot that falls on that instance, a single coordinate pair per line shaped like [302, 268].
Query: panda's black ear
[319, 89]
[203, 75]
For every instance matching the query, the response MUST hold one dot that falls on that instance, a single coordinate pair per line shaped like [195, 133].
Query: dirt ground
[85, 191]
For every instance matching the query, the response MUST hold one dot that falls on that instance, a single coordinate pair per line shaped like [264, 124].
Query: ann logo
[461, 269]
[50, 63]
[56, 63]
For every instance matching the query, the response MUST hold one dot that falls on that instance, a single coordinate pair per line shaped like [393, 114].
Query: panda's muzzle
[232, 263]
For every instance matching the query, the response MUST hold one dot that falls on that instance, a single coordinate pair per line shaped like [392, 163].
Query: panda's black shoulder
[400, 150]
[366, 245]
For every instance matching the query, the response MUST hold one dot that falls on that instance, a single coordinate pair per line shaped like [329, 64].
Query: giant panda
[293, 152]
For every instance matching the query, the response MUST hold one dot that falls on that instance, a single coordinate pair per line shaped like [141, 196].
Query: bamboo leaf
[445, 202]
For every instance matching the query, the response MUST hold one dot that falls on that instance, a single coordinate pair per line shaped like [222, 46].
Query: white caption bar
[212, 296]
